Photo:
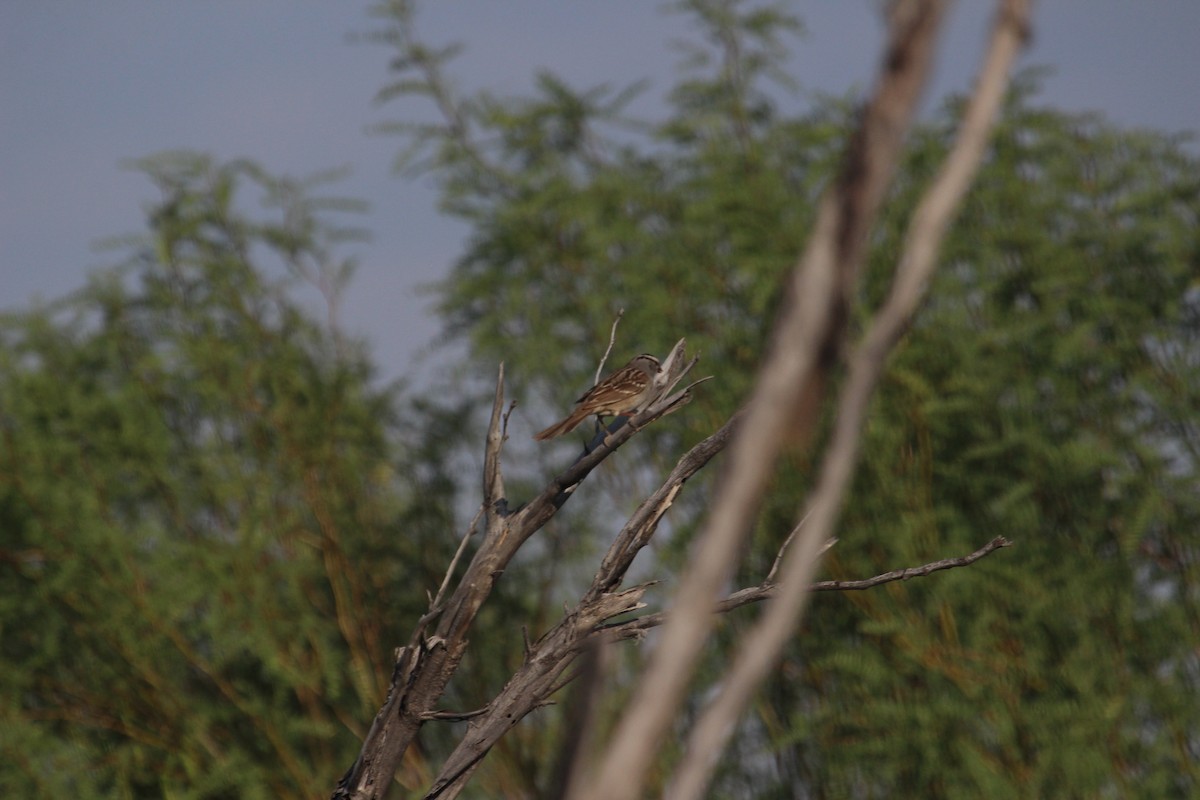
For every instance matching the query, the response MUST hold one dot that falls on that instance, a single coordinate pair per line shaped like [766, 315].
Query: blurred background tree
[215, 525]
[213, 522]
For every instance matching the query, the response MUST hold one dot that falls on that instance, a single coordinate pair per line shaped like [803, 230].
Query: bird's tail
[565, 426]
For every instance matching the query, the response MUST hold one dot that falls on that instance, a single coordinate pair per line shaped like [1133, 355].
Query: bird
[622, 393]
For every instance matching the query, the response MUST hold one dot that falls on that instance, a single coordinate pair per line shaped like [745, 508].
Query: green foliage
[1046, 392]
[208, 543]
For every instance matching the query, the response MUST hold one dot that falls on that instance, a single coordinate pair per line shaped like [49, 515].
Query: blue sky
[85, 86]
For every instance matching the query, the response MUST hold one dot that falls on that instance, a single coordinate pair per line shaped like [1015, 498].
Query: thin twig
[783, 548]
[768, 589]
[504, 420]
[912, 572]
[462, 545]
[612, 337]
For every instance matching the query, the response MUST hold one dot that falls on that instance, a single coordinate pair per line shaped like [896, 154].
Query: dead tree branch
[768, 590]
[547, 666]
[546, 660]
[435, 604]
[425, 665]
[545, 669]
[761, 646]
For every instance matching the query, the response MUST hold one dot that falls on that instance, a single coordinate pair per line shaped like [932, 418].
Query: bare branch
[913, 572]
[612, 337]
[545, 670]
[761, 645]
[504, 422]
[641, 526]
[768, 590]
[548, 659]
[673, 367]
[426, 664]
[547, 664]
[783, 548]
[436, 603]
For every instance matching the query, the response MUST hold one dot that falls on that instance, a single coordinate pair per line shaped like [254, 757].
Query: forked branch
[436, 646]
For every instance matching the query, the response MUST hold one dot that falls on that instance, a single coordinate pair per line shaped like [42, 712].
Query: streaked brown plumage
[622, 393]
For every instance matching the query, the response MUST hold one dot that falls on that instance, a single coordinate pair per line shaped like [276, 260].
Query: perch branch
[425, 665]
[541, 672]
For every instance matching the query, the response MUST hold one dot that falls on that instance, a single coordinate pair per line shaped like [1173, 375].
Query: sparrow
[620, 394]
